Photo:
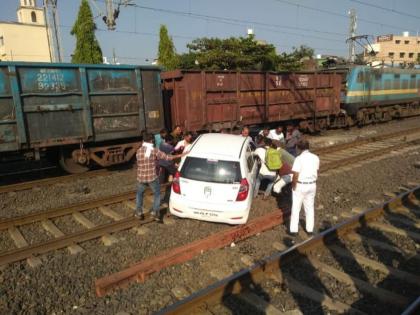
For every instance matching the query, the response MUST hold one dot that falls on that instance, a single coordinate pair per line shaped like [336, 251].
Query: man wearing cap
[305, 173]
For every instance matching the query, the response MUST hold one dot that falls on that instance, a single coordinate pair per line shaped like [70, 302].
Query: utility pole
[52, 24]
[352, 34]
[112, 13]
[114, 57]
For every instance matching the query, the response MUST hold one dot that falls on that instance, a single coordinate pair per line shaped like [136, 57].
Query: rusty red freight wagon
[211, 100]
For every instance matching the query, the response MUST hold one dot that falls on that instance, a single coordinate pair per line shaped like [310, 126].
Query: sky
[320, 24]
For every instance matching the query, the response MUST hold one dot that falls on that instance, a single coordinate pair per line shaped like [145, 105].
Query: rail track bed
[63, 282]
[51, 180]
[361, 150]
[113, 221]
[336, 157]
[367, 264]
[124, 202]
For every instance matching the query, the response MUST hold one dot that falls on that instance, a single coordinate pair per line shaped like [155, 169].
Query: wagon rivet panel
[212, 100]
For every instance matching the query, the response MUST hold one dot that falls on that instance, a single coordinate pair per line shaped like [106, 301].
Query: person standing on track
[293, 135]
[245, 133]
[305, 173]
[147, 159]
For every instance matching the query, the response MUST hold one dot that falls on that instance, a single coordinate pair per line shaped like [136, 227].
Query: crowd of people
[276, 149]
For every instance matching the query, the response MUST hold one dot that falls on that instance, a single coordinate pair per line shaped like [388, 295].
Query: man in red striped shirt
[147, 175]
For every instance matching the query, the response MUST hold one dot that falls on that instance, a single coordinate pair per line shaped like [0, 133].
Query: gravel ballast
[63, 284]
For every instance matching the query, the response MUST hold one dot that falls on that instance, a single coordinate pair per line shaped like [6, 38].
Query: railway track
[349, 154]
[367, 264]
[339, 155]
[52, 180]
[117, 221]
[362, 150]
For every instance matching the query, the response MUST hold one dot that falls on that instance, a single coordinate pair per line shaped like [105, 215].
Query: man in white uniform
[305, 173]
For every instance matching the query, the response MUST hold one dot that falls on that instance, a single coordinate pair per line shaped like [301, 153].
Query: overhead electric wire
[230, 20]
[386, 9]
[191, 37]
[338, 14]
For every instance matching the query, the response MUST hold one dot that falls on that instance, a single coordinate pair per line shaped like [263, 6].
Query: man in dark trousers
[293, 136]
[147, 159]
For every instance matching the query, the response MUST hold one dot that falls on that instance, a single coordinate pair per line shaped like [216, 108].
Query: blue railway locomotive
[87, 114]
[380, 94]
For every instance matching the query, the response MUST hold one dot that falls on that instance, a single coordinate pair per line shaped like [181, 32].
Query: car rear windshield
[215, 171]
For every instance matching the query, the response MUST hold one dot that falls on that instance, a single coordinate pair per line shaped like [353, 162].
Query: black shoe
[289, 242]
[139, 216]
[292, 233]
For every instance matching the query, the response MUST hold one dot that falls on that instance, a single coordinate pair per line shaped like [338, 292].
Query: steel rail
[413, 308]
[79, 207]
[240, 282]
[70, 239]
[364, 156]
[54, 213]
[51, 181]
[358, 142]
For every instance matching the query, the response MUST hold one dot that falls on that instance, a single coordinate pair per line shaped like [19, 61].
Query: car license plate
[205, 213]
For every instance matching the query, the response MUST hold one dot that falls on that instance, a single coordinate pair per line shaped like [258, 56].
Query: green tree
[166, 55]
[288, 62]
[243, 53]
[303, 52]
[87, 46]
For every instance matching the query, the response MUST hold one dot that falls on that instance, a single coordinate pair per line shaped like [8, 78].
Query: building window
[397, 41]
[402, 55]
[406, 42]
[391, 54]
[26, 2]
[410, 55]
[33, 16]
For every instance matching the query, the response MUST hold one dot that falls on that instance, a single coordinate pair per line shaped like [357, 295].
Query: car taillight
[243, 190]
[176, 187]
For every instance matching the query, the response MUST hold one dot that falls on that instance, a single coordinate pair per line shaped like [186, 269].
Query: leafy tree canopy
[87, 46]
[231, 53]
[166, 53]
[242, 53]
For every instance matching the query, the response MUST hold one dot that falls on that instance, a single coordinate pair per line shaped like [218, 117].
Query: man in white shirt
[277, 136]
[265, 132]
[184, 145]
[305, 173]
[265, 173]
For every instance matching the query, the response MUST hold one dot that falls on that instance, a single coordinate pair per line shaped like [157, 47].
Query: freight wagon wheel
[70, 165]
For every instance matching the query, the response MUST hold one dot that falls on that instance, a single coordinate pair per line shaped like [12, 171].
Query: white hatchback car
[216, 180]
